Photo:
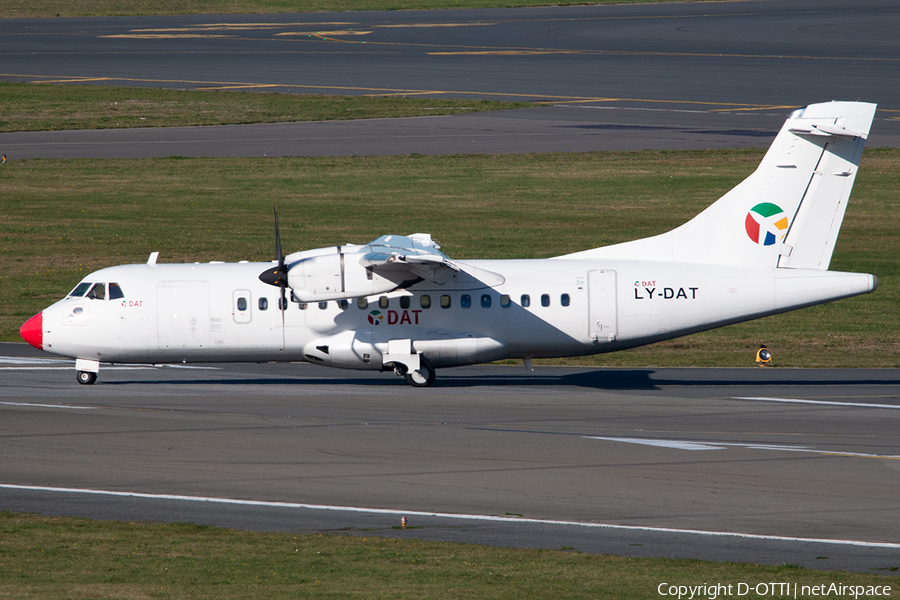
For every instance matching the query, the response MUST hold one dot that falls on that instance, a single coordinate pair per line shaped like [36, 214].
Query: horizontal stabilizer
[825, 130]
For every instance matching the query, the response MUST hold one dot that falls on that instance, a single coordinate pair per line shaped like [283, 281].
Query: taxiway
[761, 465]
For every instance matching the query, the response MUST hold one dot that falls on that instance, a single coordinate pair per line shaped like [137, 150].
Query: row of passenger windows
[97, 291]
[465, 301]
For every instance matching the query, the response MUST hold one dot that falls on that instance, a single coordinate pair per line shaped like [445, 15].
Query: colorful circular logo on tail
[766, 223]
[375, 317]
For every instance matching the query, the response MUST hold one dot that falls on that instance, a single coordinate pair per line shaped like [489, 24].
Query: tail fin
[787, 213]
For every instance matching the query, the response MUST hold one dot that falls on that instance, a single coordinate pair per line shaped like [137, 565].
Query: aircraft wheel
[86, 377]
[424, 377]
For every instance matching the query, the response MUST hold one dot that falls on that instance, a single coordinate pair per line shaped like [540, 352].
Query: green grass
[39, 107]
[66, 558]
[60, 220]
[102, 8]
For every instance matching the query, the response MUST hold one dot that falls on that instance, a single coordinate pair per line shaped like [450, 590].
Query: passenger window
[445, 301]
[526, 300]
[465, 301]
[115, 292]
[263, 304]
[404, 301]
[303, 306]
[343, 304]
[425, 301]
[323, 305]
[98, 292]
[564, 299]
[545, 299]
[79, 290]
[242, 304]
[505, 301]
[485, 301]
[282, 304]
[362, 303]
[383, 302]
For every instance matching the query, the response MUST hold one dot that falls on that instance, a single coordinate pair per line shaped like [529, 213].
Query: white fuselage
[399, 303]
[536, 308]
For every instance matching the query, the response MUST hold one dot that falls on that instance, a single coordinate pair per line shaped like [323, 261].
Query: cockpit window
[98, 292]
[115, 292]
[80, 289]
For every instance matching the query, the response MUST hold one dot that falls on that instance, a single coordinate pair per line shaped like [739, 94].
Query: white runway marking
[825, 402]
[71, 367]
[58, 364]
[50, 405]
[448, 516]
[18, 360]
[692, 445]
[675, 444]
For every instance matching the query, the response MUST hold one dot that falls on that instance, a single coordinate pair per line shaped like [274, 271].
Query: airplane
[399, 304]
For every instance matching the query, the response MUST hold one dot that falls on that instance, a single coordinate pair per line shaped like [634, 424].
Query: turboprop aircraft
[398, 303]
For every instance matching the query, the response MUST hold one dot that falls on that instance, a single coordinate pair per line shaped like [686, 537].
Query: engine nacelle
[336, 275]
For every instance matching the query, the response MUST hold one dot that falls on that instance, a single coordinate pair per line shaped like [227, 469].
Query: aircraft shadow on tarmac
[603, 379]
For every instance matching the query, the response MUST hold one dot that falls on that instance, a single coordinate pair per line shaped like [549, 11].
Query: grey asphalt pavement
[756, 465]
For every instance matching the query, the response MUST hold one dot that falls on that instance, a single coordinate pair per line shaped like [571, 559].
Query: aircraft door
[182, 314]
[602, 307]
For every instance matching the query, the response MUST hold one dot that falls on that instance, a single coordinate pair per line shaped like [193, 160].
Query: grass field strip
[695, 445]
[466, 517]
[824, 402]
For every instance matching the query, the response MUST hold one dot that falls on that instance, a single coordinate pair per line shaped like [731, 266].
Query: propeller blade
[276, 276]
[282, 276]
[279, 255]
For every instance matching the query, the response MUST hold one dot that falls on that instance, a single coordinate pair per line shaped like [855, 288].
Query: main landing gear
[421, 377]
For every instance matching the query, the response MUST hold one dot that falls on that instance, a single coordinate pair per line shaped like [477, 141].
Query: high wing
[385, 264]
[416, 255]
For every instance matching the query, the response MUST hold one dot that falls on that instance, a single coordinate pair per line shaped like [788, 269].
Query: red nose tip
[33, 331]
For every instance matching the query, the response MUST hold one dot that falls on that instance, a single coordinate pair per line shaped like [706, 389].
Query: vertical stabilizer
[787, 213]
[813, 231]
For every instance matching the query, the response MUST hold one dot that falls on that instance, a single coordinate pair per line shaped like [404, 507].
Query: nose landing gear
[86, 377]
[87, 370]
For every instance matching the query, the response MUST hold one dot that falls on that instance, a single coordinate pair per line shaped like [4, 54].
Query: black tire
[86, 377]
[424, 377]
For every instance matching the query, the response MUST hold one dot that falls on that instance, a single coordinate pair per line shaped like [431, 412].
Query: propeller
[278, 275]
